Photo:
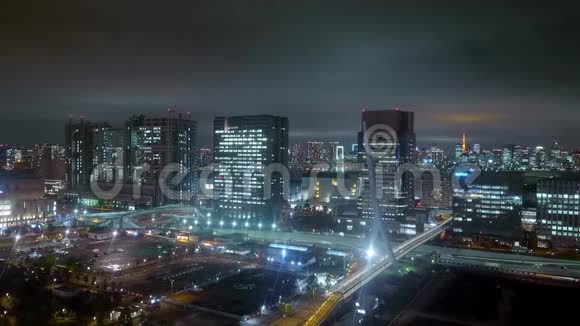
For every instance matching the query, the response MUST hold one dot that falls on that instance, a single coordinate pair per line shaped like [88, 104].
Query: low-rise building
[22, 199]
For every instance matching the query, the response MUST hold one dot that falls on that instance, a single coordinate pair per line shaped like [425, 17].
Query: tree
[328, 280]
[312, 285]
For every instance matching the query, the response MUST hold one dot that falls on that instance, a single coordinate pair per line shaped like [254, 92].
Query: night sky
[504, 73]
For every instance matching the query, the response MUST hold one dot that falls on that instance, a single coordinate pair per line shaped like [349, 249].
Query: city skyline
[301, 163]
[508, 75]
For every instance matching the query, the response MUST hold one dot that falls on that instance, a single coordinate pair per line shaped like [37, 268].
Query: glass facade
[246, 147]
[558, 212]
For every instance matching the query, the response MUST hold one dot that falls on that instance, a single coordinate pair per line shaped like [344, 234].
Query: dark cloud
[503, 72]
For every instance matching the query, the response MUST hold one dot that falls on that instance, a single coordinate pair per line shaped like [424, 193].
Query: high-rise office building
[435, 154]
[153, 143]
[297, 154]
[490, 207]
[508, 160]
[458, 152]
[558, 213]
[108, 150]
[4, 155]
[79, 147]
[205, 156]
[432, 197]
[245, 149]
[396, 202]
[538, 158]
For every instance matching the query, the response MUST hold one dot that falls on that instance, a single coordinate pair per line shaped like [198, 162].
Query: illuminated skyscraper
[79, 146]
[245, 148]
[538, 158]
[396, 202]
[508, 160]
[153, 143]
[458, 152]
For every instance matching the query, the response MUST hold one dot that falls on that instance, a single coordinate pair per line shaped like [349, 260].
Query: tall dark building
[396, 203]
[79, 149]
[205, 157]
[3, 155]
[155, 142]
[244, 146]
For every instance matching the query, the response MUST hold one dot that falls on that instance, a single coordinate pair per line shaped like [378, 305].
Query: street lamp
[234, 223]
[221, 223]
[247, 224]
[273, 226]
[370, 252]
[259, 225]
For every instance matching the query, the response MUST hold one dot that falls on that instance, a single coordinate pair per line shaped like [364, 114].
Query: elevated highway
[354, 282]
